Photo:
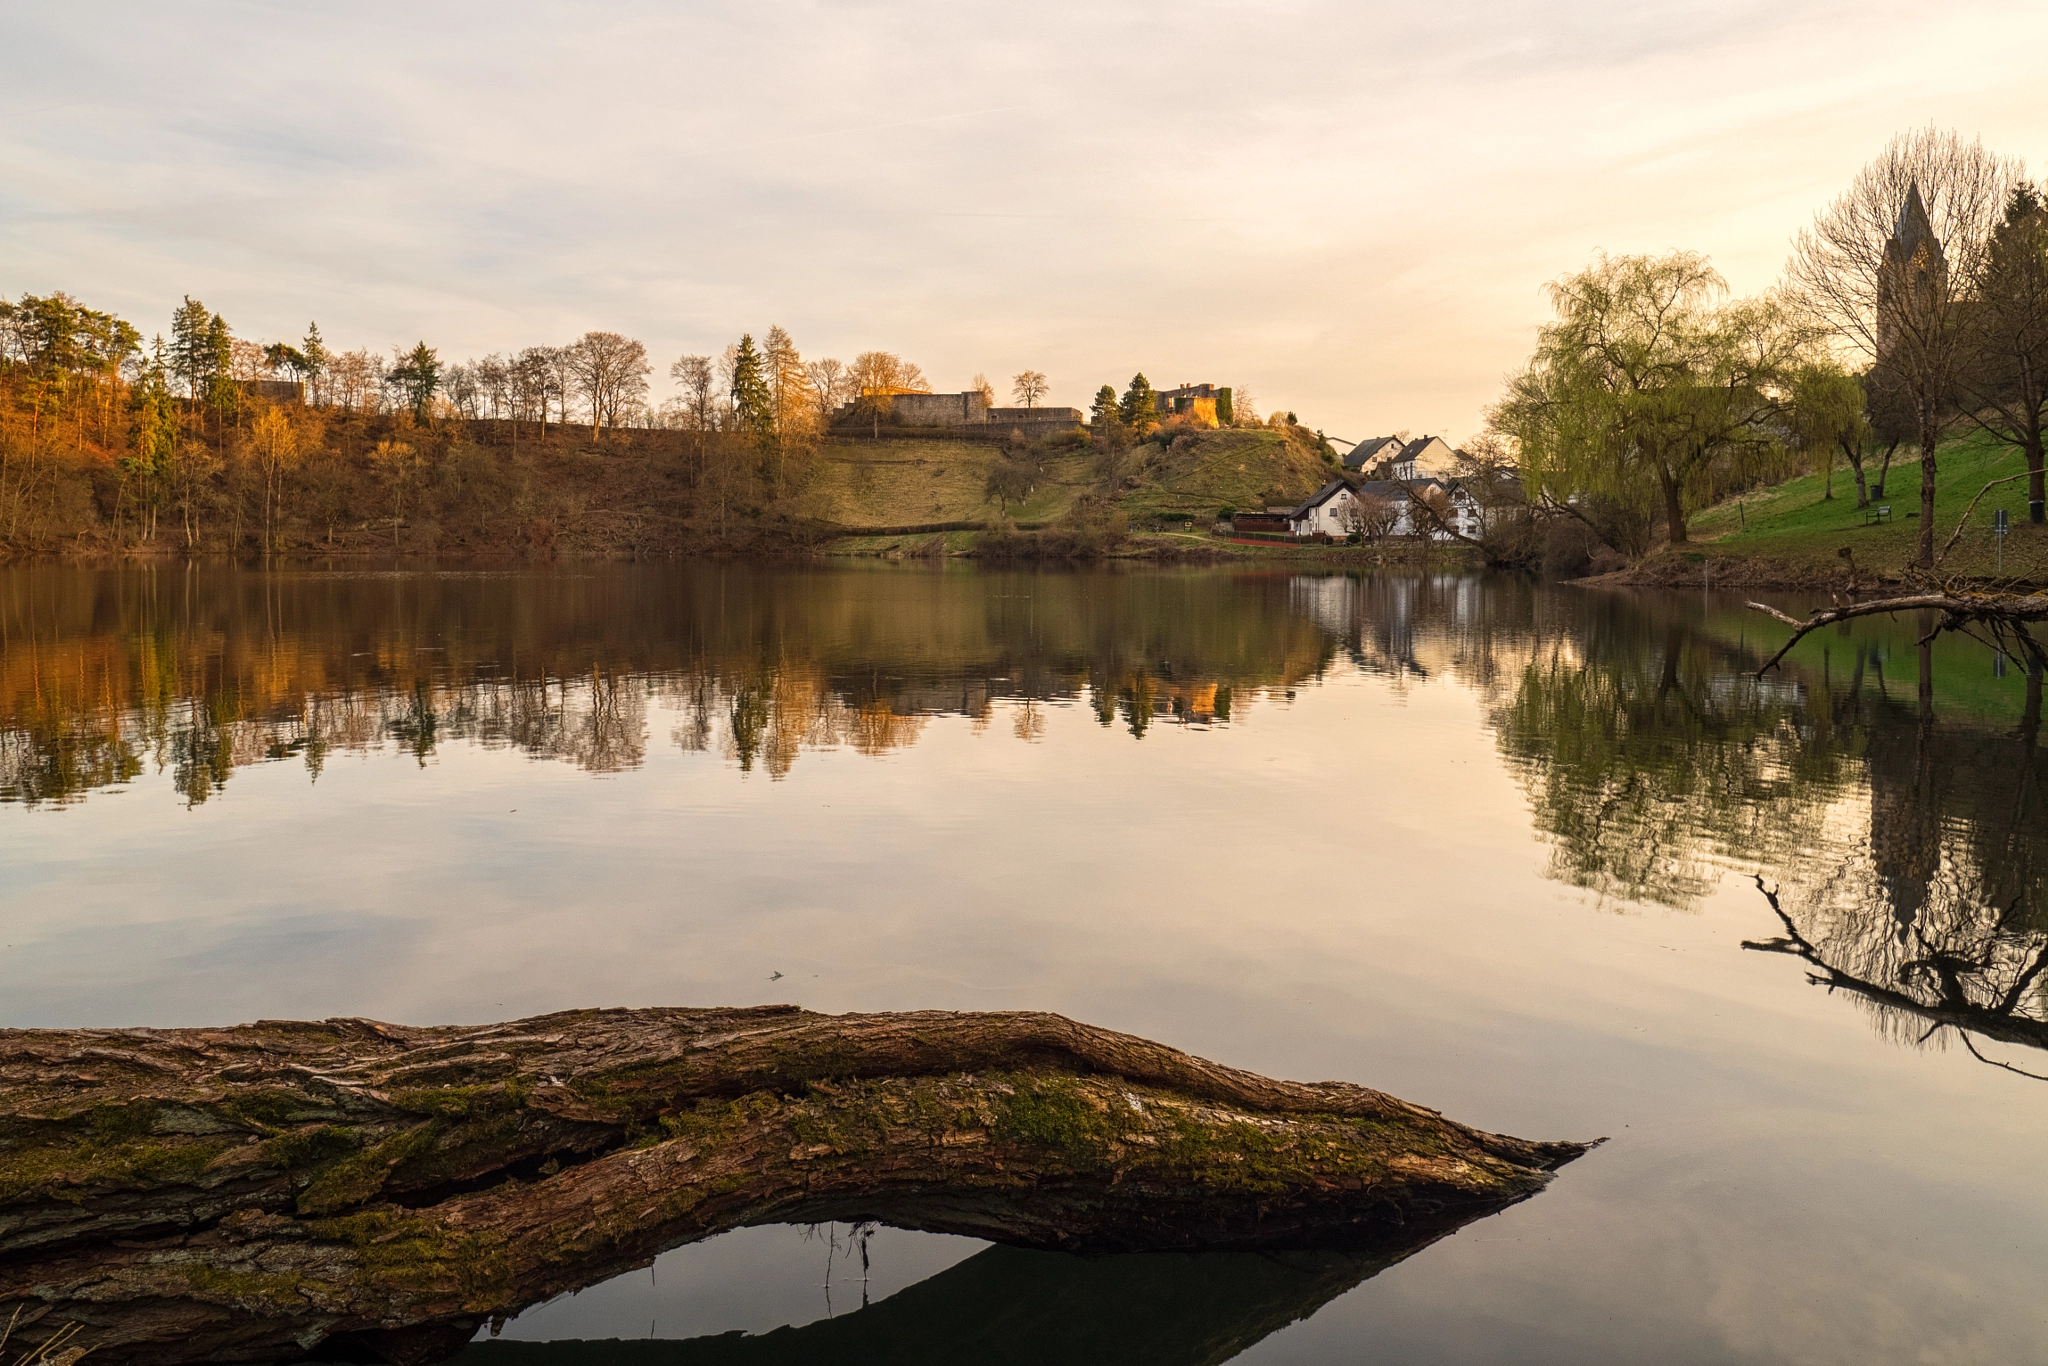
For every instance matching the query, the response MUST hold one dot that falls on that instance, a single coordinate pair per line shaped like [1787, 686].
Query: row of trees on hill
[1917, 304]
[107, 440]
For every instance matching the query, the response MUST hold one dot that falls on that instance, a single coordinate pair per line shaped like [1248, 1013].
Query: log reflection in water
[1009, 1305]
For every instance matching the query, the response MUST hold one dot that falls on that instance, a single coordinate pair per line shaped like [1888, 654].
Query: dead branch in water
[2006, 614]
[245, 1194]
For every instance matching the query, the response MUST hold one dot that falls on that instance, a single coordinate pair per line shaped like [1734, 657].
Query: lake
[1551, 859]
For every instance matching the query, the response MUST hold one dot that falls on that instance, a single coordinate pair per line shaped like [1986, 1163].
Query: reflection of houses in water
[1744, 689]
[1420, 625]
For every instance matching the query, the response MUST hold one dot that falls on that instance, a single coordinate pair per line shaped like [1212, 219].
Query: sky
[1347, 209]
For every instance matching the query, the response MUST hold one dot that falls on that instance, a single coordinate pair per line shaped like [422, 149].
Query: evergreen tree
[220, 355]
[191, 357]
[753, 402]
[417, 374]
[1104, 410]
[1138, 405]
[313, 353]
[155, 432]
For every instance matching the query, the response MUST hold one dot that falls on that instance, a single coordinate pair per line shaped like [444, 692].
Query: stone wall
[938, 410]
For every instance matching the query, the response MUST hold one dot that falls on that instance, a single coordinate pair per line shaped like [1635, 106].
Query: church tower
[1910, 281]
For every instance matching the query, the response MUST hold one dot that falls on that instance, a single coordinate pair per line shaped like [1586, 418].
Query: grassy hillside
[1796, 528]
[903, 483]
[897, 483]
[1245, 469]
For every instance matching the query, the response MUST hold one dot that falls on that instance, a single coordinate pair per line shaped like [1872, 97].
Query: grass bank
[1792, 535]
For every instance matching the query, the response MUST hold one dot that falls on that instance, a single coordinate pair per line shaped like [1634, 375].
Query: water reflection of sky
[1485, 856]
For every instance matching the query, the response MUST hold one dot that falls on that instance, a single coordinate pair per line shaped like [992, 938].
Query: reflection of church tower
[1905, 814]
[1910, 280]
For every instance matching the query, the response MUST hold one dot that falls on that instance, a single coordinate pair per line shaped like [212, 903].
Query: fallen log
[252, 1193]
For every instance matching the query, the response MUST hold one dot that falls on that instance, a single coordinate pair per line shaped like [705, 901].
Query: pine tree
[220, 355]
[314, 353]
[752, 400]
[191, 352]
[418, 373]
[156, 435]
[1138, 403]
[1104, 410]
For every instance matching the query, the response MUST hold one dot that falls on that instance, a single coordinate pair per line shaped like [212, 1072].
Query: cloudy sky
[1347, 208]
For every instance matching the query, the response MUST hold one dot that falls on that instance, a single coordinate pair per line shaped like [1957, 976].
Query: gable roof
[1369, 450]
[1320, 497]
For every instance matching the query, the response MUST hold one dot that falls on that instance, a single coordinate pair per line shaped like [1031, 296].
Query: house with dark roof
[1368, 453]
[1326, 512]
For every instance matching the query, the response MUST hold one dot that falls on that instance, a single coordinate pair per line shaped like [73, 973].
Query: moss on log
[248, 1194]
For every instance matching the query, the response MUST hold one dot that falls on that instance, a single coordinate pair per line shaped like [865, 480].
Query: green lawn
[1793, 523]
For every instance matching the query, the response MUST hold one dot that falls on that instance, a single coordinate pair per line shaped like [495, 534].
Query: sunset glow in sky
[1348, 209]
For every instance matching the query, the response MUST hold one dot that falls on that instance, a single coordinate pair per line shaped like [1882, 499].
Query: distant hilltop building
[969, 411]
[1208, 404]
[1389, 457]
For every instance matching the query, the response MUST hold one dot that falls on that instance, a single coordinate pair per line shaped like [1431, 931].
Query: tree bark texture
[248, 1193]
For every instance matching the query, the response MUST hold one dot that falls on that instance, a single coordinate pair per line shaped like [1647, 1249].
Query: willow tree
[1651, 390]
[1889, 267]
[1828, 415]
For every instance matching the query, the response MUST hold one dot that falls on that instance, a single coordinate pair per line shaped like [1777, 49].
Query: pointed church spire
[1914, 229]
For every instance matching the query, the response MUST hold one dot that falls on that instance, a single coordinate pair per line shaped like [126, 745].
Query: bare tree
[608, 371]
[828, 386]
[277, 449]
[1370, 517]
[493, 383]
[1027, 387]
[699, 407]
[460, 383]
[531, 375]
[353, 378]
[1886, 270]
[878, 376]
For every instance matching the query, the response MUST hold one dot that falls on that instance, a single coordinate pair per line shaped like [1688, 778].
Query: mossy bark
[245, 1194]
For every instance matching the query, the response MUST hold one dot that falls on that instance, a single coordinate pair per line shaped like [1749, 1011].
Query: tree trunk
[1674, 508]
[2037, 479]
[1853, 452]
[243, 1194]
[1928, 436]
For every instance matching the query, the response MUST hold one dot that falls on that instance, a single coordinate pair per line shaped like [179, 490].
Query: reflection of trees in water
[1938, 923]
[1648, 755]
[1960, 964]
[1912, 854]
[107, 675]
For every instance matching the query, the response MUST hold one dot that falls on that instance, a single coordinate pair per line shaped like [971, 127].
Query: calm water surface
[1486, 844]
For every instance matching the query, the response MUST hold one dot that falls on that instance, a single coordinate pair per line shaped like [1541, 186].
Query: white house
[1330, 509]
[1425, 457]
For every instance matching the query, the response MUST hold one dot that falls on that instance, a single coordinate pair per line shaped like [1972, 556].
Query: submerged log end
[246, 1194]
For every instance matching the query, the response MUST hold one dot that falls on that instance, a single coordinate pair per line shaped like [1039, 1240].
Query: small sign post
[2002, 523]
